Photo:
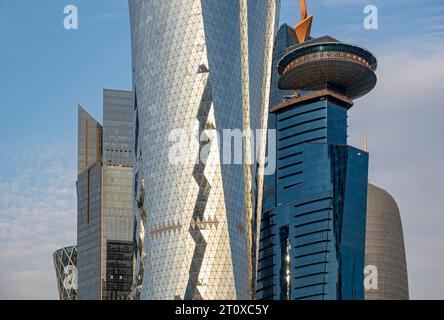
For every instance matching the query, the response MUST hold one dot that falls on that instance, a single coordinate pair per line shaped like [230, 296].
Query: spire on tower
[304, 13]
[365, 141]
[303, 28]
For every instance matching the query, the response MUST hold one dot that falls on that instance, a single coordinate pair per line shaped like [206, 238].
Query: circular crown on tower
[326, 62]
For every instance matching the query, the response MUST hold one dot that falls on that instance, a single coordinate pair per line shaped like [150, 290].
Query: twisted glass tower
[205, 65]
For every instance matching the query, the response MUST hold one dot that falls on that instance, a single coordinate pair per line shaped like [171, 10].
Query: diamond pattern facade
[384, 247]
[198, 65]
[65, 264]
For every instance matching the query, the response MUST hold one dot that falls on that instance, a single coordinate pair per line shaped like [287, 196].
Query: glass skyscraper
[198, 65]
[104, 194]
[312, 244]
[65, 264]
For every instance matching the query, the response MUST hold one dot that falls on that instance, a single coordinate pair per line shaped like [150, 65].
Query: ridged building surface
[198, 65]
[385, 247]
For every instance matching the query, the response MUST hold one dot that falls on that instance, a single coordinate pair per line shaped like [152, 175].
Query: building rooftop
[326, 61]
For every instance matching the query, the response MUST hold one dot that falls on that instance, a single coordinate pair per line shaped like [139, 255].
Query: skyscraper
[104, 195]
[384, 247]
[313, 223]
[198, 65]
[65, 264]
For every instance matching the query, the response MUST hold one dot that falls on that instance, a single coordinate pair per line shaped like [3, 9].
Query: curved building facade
[65, 264]
[198, 66]
[384, 247]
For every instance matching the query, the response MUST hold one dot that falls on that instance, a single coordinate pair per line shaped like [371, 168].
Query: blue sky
[47, 70]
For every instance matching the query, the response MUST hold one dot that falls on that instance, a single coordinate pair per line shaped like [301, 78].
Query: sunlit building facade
[312, 244]
[104, 194]
[199, 66]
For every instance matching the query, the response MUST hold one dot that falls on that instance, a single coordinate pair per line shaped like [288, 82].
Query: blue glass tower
[312, 242]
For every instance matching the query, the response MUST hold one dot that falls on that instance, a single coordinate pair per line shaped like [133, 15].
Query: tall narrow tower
[199, 66]
[104, 200]
[314, 213]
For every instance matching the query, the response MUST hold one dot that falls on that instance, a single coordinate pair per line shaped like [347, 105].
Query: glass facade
[313, 228]
[285, 38]
[140, 222]
[117, 128]
[384, 247]
[65, 264]
[89, 140]
[104, 193]
[312, 244]
[119, 270]
[89, 206]
[197, 65]
[117, 225]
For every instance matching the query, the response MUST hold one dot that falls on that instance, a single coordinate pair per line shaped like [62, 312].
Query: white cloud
[37, 217]
[403, 117]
